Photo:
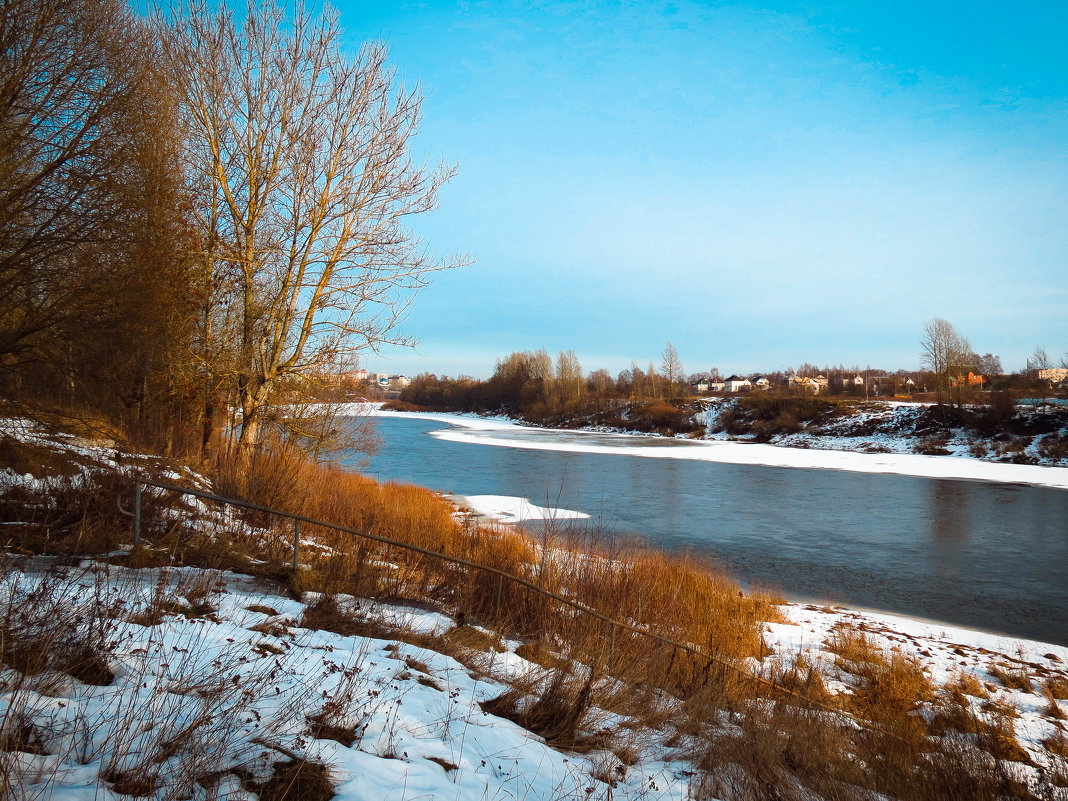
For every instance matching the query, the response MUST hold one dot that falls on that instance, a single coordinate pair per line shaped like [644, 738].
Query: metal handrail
[298, 519]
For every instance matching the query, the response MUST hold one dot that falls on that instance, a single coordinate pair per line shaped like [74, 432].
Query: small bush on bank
[932, 446]
[403, 406]
[660, 417]
[768, 407]
[1054, 447]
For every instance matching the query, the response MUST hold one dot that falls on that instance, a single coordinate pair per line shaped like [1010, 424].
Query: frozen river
[980, 553]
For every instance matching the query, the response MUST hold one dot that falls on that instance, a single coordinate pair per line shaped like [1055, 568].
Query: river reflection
[950, 519]
[981, 554]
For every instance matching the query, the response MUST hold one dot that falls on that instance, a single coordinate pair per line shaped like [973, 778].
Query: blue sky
[761, 185]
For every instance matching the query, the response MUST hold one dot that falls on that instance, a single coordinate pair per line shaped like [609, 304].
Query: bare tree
[1039, 360]
[945, 353]
[542, 369]
[990, 365]
[93, 297]
[671, 366]
[67, 85]
[298, 156]
[569, 375]
[600, 381]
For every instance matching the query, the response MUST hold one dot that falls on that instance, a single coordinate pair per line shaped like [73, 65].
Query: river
[987, 555]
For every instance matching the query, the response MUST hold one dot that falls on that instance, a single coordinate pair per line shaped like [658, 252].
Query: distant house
[804, 384]
[855, 381]
[702, 385]
[736, 383]
[762, 383]
[971, 380]
[886, 384]
[716, 386]
[1053, 374]
[397, 382]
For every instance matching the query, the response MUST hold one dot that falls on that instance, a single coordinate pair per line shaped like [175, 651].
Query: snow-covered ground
[226, 681]
[233, 689]
[820, 453]
[889, 426]
[216, 679]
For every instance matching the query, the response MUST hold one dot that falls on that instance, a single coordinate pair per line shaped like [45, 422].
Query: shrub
[932, 446]
[767, 407]
[556, 711]
[662, 418]
[1013, 679]
[1053, 447]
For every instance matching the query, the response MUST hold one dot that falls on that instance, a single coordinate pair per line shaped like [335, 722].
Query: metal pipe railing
[615, 625]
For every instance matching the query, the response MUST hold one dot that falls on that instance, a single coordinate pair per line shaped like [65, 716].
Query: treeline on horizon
[536, 387]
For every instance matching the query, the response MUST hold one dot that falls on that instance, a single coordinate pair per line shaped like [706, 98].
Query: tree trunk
[253, 399]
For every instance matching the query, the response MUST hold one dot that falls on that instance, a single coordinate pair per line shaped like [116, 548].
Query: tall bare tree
[90, 287]
[569, 375]
[298, 155]
[990, 366]
[671, 366]
[945, 353]
[66, 86]
[1039, 360]
[541, 369]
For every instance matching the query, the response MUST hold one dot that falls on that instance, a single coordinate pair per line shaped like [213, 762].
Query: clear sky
[762, 185]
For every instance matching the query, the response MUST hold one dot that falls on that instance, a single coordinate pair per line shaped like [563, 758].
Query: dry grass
[781, 752]
[1057, 686]
[802, 682]
[1052, 708]
[64, 623]
[1057, 744]
[539, 653]
[676, 597]
[1010, 678]
[998, 736]
[968, 684]
[42, 628]
[295, 780]
[954, 713]
[554, 707]
[889, 688]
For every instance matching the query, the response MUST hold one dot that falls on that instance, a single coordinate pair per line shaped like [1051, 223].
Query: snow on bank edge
[510, 509]
[495, 431]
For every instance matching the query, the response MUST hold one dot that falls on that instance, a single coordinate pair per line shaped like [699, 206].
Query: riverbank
[502, 432]
[412, 681]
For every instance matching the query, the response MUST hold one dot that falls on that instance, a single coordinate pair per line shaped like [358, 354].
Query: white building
[737, 384]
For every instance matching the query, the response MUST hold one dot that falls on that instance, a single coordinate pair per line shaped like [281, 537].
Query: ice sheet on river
[506, 433]
[510, 509]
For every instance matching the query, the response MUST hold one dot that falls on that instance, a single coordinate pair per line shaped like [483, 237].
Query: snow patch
[510, 509]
